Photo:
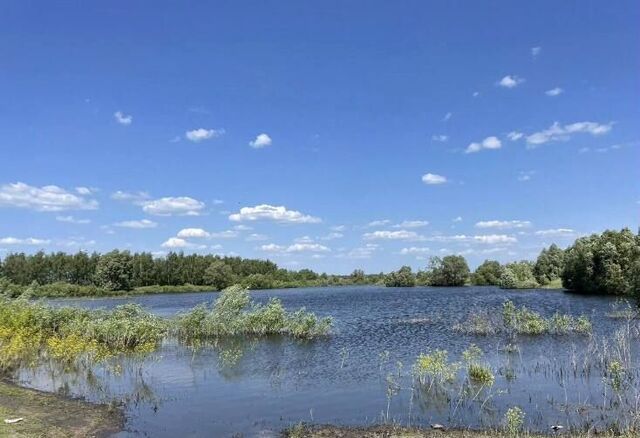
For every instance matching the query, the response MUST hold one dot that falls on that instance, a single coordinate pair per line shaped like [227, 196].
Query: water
[258, 388]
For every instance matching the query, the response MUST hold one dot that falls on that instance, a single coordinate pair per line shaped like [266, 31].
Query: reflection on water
[363, 372]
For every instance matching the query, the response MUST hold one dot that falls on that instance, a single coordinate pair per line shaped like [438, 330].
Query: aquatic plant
[435, 368]
[478, 373]
[477, 323]
[514, 420]
[234, 314]
[520, 320]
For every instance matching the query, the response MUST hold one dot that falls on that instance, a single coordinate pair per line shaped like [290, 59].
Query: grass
[553, 284]
[47, 415]
[394, 431]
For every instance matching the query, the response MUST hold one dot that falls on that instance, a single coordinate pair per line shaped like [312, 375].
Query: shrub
[514, 420]
[401, 278]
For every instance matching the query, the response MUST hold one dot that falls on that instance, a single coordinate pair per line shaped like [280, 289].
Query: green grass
[553, 284]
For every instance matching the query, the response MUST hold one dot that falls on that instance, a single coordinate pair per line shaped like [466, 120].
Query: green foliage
[219, 275]
[480, 374]
[518, 275]
[524, 321]
[607, 263]
[234, 314]
[487, 274]
[114, 271]
[514, 421]
[401, 278]
[435, 368]
[549, 265]
[451, 270]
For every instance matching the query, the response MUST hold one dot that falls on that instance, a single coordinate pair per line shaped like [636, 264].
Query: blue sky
[332, 135]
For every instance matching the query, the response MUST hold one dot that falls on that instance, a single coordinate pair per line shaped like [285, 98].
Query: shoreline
[52, 415]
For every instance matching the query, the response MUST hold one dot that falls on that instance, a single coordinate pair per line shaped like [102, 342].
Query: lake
[359, 375]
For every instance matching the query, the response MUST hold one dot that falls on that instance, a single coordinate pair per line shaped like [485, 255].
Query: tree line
[607, 263]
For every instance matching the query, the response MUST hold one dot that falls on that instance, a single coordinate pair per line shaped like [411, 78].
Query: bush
[487, 274]
[518, 275]
[449, 271]
[401, 278]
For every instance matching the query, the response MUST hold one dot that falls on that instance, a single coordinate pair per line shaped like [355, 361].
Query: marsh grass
[233, 314]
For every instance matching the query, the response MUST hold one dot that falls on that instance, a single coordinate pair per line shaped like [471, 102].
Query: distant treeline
[607, 263]
[61, 274]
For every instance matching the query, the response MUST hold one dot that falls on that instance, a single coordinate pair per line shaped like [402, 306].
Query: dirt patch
[53, 416]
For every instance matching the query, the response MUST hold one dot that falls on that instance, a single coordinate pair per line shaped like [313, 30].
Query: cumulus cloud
[168, 206]
[557, 91]
[122, 118]
[28, 241]
[137, 224]
[279, 214]
[45, 198]
[72, 220]
[192, 232]
[488, 143]
[433, 179]
[515, 135]
[332, 236]
[254, 237]
[535, 51]
[557, 132]
[415, 250]
[391, 235]
[175, 242]
[362, 252]
[379, 223]
[261, 141]
[503, 224]
[84, 191]
[295, 248]
[228, 234]
[411, 224]
[510, 81]
[556, 232]
[483, 238]
[201, 134]
[130, 196]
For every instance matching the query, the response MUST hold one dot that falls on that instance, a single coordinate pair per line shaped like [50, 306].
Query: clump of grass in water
[29, 329]
[478, 373]
[233, 314]
[527, 322]
[435, 368]
[514, 420]
[477, 324]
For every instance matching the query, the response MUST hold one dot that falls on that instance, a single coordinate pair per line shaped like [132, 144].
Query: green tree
[400, 278]
[114, 271]
[451, 270]
[549, 264]
[518, 275]
[488, 273]
[603, 263]
[219, 275]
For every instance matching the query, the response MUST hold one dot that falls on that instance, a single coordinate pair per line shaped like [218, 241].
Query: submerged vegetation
[30, 330]
[522, 321]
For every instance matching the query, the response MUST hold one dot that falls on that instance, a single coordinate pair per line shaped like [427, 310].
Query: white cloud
[28, 241]
[278, 214]
[556, 232]
[447, 117]
[182, 205]
[201, 134]
[488, 143]
[515, 135]
[510, 81]
[261, 141]
[554, 92]
[333, 235]
[129, 196]
[476, 94]
[228, 234]
[175, 242]
[192, 232]
[46, 198]
[255, 237]
[484, 238]
[122, 118]
[84, 191]
[363, 252]
[411, 224]
[535, 51]
[440, 138]
[414, 250]
[392, 235]
[557, 132]
[525, 175]
[137, 224]
[457, 219]
[72, 220]
[338, 228]
[379, 223]
[433, 179]
[502, 225]
[295, 248]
